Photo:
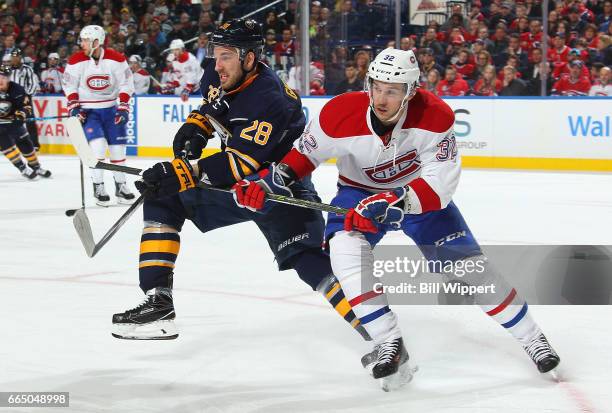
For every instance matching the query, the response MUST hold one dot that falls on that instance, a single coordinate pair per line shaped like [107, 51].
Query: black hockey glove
[166, 178]
[20, 117]
[196, 130]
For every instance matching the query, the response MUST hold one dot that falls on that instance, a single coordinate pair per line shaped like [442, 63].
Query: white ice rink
[253, 339]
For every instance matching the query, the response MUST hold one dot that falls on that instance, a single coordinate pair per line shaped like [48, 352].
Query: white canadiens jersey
[420, 152]
[187, 72]
[142, 81]
[601, 90]
[98, 84]
[51, 78]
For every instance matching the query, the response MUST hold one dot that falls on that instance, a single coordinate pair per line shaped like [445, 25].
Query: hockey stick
[79, 141]
[71, 212]
[10, 121]
[83, 228]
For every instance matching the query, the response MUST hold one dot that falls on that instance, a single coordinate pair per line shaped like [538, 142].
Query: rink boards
[512, 133]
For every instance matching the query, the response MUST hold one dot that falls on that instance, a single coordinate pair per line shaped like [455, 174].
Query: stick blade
[83, 229]
[79, 141]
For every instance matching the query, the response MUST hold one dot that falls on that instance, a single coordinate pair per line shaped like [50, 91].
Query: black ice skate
[43, 172]
[542, 354]
[28, 172]
[153, 319]
[123, 194]
[391, 366]
[101, 195]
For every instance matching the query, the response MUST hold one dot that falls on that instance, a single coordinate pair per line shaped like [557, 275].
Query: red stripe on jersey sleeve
[300, 164]
[430, 201]
[124, 97]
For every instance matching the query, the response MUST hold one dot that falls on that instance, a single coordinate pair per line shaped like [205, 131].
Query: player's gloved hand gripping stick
[81, 222]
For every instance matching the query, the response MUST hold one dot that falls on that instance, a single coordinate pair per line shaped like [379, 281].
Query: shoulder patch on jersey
[77, 58]
[427, 111]
[143, 72]
[112, 54]
[345, 115]
[183, 57]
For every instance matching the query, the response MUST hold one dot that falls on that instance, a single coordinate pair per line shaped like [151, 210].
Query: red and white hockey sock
[351, 258]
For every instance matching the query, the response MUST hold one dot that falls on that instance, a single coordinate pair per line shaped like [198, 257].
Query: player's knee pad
[312, 266]
[117, 152]
[350, 252]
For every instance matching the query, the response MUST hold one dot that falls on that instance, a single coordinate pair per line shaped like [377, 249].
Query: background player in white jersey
[187, 71]
[398, 169]
[93, 81]
[51, 77]
[142, 78]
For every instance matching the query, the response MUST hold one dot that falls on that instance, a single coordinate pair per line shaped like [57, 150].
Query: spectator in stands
[206, 22]
[604, 49]
[483, 36]
[344, 24]
[533, 74]
[534, 9]
[463, 66]
[452, 85]
[430, 41]
[407, 43]
[488, 84]
[273, 22]
[511, 85]
[604, 86]
[291, 13]
[606, 16]
[576, 24]
[500, 40]
[270, 46]
[432, 81]
[515, 49]
[200, 50]
[558, 53]
[284, 51]
[362, 60]
[225, 12]
[156, 36]
[482, 61]
[371, 19]
[561, 68]
[351, 82]
[334, 70]
[427, 62]
[574, 83]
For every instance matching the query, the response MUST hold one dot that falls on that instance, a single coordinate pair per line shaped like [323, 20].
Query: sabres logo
[213, 93]
[250, 24]
[224, 26]
[391, 171]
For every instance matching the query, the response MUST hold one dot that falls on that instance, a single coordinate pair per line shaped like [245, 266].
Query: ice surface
[253, 339]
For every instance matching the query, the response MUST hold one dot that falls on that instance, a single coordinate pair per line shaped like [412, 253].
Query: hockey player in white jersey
[398, 169]
[51, 77]
[142, 78]
[98, 85]
[186, 73]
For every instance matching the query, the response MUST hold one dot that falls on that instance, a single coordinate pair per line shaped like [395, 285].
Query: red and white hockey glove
[122, 114]
[74, 109]
[168, 88]
[376, 209]
[186, 92]
[251, 192]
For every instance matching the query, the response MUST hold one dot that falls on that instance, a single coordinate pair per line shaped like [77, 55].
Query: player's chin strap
[93, 49]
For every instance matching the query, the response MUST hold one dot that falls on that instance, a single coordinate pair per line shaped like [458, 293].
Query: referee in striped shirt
[24, 76]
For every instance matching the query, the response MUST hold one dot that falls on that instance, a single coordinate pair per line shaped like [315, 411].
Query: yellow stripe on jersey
[246, 158]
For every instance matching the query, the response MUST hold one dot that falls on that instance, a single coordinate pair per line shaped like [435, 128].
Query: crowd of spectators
[484, 47]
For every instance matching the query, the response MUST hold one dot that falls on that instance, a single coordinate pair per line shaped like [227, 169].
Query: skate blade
[159, 330]
[103, 203]
[395, 381]
[124, 201]
[556, 374]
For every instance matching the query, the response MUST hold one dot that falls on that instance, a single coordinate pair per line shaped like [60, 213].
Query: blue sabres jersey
[264, 118]
[14, 98]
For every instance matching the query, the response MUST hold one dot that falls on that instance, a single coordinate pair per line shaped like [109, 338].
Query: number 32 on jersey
[258, 132]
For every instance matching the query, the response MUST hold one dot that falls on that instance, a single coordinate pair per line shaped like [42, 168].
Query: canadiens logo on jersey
[98, 82]
[394, 170]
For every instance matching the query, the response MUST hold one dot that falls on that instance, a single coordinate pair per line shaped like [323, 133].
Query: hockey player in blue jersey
[264, 117]
[15, 143]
